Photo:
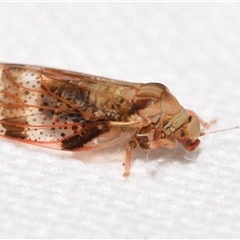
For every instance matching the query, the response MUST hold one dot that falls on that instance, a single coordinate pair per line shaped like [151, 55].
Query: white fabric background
[194, 49]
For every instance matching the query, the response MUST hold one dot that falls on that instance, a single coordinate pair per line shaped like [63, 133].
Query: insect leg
[129, 148]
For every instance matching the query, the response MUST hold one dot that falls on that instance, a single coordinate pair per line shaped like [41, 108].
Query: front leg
[129, 148]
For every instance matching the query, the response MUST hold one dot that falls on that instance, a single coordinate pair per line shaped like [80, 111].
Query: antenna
[204, 127]
[221, 130]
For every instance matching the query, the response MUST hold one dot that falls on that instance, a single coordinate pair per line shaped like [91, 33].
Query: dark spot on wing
[90, 132]
[14, 131]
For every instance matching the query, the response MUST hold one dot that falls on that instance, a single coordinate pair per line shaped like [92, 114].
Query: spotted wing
[63, 110]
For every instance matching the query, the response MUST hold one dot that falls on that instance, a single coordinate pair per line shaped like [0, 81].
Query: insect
[79, 112]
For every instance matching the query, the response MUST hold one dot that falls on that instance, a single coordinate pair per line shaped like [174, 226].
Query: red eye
[191, 146]
[181, 136]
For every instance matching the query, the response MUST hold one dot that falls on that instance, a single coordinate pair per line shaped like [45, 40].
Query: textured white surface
[193, 48]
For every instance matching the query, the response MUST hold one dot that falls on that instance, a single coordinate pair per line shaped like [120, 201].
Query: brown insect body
[74, 111]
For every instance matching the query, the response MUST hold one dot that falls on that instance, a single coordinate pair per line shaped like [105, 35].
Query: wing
[64, 110]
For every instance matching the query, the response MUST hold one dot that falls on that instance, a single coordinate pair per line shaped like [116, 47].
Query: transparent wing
[63, 110]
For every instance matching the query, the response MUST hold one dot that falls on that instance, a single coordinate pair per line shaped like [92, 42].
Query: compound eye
[181, 133]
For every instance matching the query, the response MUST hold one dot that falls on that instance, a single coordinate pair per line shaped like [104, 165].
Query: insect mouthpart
[191, 145]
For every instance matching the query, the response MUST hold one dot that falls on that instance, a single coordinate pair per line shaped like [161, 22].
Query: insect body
[79, 112]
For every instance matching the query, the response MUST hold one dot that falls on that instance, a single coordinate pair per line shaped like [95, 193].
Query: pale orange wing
[63, 110]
